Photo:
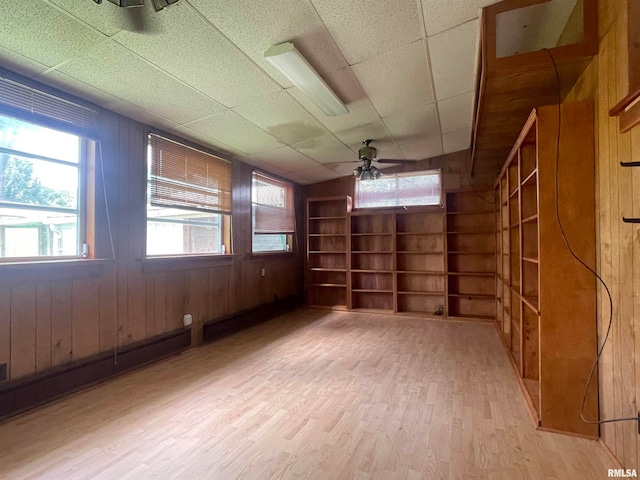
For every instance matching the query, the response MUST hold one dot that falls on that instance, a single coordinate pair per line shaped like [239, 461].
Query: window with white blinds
[45, 146]
[272, 203]
[189, 208]
[400, 190]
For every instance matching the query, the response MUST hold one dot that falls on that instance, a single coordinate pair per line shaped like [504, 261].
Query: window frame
[289, 236]
[180, 261]
[440, 204]
[85, 192]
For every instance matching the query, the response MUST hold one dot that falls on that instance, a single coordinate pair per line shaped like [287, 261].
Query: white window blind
[272, 200]
[184, 177]
[35, 106]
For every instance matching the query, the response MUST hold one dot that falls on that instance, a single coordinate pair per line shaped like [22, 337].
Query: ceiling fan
[367, 155]
[136, 13]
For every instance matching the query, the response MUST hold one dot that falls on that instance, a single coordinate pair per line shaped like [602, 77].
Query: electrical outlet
[187, 320]
[3, 371]
[263, 272]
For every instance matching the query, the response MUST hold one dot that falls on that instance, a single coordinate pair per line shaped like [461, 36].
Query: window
[400, 190]
[189, 200]
[43, 154]
[273, 214]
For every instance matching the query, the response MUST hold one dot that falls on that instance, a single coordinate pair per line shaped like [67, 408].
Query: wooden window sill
[266, 256]
[186, 262]
[48, 270]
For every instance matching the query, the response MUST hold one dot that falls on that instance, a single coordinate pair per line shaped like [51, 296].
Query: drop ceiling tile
[107, 17]
[230, 128]
[255, 26]
[222, 149]
[190, 49]
[453, 60]
[115, 70]
[283, 117]
[417, 132]
[456, 112]
[42, 33]
[325, 149]
[441, 15]
[315, 175]
[286, 159]
[456, 141]
[20, 64]
[262, 165]
[365, 28]
[397, 80]
[296, 178]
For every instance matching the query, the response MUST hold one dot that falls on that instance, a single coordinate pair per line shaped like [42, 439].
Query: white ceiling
[404, 68]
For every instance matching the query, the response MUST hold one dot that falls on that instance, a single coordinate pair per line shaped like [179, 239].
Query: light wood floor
[312, 394]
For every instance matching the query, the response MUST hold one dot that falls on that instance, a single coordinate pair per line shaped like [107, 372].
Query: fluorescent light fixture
[290, 62]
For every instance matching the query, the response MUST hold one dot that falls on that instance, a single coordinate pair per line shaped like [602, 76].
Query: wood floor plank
[312, 394]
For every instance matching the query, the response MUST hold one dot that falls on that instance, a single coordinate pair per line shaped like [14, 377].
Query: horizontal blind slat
[184, 177]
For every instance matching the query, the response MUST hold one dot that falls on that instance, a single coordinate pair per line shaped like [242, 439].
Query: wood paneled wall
[618, 243]
[50, 316]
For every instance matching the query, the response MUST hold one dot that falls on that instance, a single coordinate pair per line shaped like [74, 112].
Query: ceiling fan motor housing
[367, 153]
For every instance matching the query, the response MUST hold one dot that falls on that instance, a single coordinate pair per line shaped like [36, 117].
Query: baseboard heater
[25, 394]
[225, 326]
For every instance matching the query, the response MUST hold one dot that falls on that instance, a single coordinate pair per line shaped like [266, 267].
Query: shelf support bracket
[630, 220]
[630, 164]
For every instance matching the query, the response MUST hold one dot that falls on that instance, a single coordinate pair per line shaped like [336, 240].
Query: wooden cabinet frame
[628, 109]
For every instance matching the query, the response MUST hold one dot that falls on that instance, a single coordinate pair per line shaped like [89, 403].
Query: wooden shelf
[327, 235]
[472, 295]
[327, 252]
[438, 234]
[530, 177]
[531, 302]
[371, 271]
[472, 253]
[372, 234]
[482, 212]
[321, 269]
[370, 290]
[477, 232]
[421, 272]
[434, 294]
[473, 274]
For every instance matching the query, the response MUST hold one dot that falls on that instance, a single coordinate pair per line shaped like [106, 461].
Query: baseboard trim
[225, 326]
[19, 396]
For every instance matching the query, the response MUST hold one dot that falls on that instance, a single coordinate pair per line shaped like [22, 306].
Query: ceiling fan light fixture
[368, 173]
[160, 4]
[357, 171]
[290, 62]
[127, 3]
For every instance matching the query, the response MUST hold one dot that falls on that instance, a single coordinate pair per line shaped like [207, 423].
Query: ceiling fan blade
[394, 160]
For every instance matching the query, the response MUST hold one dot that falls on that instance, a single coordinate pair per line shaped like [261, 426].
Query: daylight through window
[40, 191]
[189, 200]
[400, 190]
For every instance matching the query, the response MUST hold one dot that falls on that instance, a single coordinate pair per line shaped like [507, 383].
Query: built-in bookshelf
[328, 252]
[471, 254]
[426, 261]
[546, 299]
